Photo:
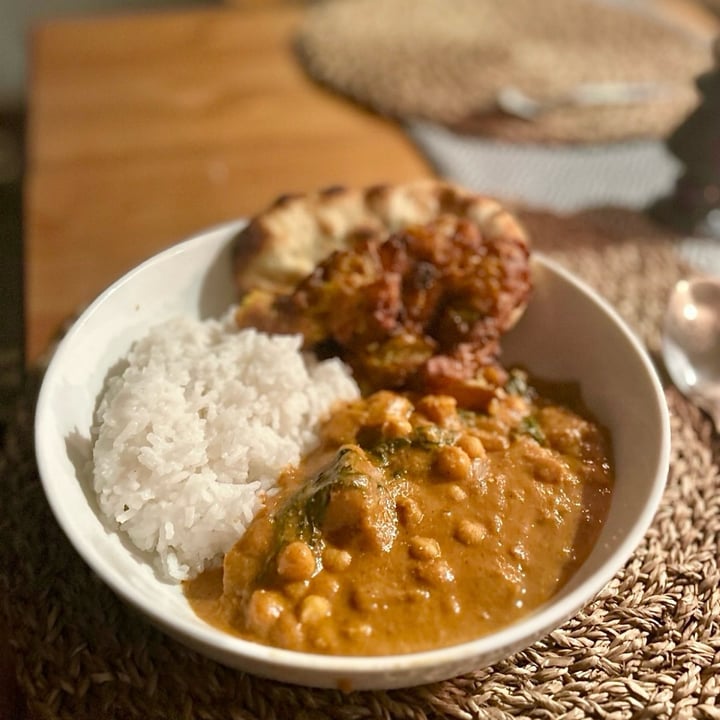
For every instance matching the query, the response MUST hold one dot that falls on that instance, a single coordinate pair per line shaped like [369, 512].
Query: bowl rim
[211, 641]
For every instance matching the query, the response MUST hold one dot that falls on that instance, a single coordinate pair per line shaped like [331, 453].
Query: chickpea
[336, 560]
[396, 422]
[287, 632]
[263, 610]
[396, 427]
[384, 406]
[296, 590]
[548, 469]
[435, 573]
[469, 532]
[439, 409]
[453, 463]
[324, 584]
[457, 493]
[408, 510]
[494, 441]
[296, 561]
[423, 548]
[473, 446]
[314, 608]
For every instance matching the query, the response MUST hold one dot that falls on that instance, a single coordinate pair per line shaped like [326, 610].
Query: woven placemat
[647, 647]
[447, 62]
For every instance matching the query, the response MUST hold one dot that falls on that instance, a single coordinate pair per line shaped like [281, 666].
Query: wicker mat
[448, 62]
[647, 646]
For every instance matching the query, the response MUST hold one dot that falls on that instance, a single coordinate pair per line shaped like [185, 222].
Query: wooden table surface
[145, 128]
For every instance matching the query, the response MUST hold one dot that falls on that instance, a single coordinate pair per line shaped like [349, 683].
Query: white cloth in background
[565, 178]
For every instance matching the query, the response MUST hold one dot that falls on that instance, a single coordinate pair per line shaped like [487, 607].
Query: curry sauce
[416, 524]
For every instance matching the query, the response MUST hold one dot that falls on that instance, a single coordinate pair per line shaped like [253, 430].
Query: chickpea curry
[417, 524]
[454, 496]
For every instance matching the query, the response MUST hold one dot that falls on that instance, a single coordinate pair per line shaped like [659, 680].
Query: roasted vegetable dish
[422, 309]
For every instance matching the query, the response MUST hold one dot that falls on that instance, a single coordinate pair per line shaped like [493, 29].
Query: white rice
[197, 429]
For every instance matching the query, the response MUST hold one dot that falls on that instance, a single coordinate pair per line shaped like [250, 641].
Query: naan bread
[283, 244]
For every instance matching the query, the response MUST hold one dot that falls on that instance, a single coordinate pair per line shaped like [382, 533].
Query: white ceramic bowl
[568, 332]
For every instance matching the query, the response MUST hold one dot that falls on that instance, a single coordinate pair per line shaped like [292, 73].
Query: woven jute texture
[446, 62]
[647, 647]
